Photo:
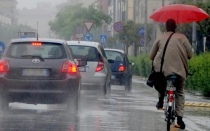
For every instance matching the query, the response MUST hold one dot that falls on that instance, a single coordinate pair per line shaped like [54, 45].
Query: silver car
[97, 73]
[39, 71]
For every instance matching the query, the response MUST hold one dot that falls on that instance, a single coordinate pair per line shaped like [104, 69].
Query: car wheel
[73, 103]
[107, 89]
[128, 85]
[4, 103]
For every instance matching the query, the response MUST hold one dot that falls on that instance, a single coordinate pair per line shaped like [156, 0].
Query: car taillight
[100, 65]
[122, 68]
[4, 66]
[69, 67]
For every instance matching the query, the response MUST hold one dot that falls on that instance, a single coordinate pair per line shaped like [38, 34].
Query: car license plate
[112, 77]
[82, 69]
[35, 72]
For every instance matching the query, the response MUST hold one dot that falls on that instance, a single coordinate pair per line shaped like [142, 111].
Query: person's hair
[171, 25]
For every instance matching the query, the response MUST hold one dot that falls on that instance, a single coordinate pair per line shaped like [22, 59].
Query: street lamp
[145, 27]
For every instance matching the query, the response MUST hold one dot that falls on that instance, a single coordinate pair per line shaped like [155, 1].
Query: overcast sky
[32, 3]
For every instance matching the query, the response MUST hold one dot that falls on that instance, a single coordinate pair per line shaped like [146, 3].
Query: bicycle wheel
[169, 118]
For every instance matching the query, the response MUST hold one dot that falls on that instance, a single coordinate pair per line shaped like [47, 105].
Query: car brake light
[4, 66]
[100, 65]
[69, 67]
[122, 68]
[37, 44]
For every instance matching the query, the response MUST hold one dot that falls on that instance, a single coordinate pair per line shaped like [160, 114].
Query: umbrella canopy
[181, 13]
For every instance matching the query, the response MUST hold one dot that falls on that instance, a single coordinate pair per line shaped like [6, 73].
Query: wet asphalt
[120, 111]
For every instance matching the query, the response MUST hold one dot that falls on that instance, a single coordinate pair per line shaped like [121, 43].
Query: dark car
[39, 71]
[120, 67]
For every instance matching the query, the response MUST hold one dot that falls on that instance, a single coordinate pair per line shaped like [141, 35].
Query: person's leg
[160, 102]
[161, 95]
[179, 102]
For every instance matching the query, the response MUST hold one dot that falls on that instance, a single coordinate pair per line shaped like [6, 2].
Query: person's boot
[180, 123]
[159, 105]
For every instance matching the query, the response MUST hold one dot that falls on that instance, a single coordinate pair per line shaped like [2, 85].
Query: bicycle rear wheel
[169, 118]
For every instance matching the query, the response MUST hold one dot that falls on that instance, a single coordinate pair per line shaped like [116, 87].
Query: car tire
[106, 89]
[128, 85]
[73, 103]
[4, 103]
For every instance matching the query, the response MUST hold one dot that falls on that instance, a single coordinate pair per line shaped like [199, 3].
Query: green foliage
[71, 17]
[9, 32]
[142, 65]
[199, 67]
[129, 34]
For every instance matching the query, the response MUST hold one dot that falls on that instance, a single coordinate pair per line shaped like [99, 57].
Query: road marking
[198, 104]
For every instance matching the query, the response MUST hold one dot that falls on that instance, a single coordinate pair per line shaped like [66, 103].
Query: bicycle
[169, 109]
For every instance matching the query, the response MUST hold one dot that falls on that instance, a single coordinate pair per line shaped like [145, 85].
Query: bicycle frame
[170, 102]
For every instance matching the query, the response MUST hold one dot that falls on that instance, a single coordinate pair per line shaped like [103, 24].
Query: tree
[129, 35]
[8, 32]
[204, 26]
[71, 17]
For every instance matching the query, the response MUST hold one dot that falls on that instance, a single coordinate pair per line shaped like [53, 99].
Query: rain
[83, 65]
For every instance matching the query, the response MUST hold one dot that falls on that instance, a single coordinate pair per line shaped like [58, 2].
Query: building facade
[8, 11]
[38, 18]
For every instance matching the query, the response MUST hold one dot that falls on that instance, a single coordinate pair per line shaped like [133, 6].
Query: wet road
[118, 112]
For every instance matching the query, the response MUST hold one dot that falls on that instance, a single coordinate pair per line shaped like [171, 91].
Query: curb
[197, 104]
[187, 103]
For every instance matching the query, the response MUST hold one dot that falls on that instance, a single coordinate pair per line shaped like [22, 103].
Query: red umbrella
[181, 13]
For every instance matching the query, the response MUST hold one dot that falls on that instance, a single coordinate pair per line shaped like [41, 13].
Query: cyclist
[178, 51]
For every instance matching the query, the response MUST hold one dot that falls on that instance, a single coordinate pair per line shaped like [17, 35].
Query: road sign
[141, 31]
[89, 25]
[103, 38]
[27, 34]
[88, 37]
[2, 47]
[118, 26]
[141, 41]
[79, 35]
[79, 30]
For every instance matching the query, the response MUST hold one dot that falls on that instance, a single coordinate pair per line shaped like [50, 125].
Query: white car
[97, 73]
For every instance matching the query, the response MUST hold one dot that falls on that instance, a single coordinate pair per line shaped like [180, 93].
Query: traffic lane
[119, 112]
[27, 117]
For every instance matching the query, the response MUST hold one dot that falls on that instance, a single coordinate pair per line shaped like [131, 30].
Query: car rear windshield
[45, 50]
[114, 55]
[88, 53]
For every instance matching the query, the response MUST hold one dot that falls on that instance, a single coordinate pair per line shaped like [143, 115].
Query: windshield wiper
[32, 57]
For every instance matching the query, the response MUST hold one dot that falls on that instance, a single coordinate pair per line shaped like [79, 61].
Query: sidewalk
[190, 99]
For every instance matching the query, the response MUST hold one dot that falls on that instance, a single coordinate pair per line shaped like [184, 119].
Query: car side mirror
[132, 63]
[81, 63]
[111, 61]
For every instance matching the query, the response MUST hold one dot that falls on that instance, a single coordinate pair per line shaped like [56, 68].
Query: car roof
[39, 40]
[118, 50]
[83, 43]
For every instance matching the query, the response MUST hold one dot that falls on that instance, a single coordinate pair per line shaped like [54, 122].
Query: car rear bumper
[39, 90]
[93, 83]
[118, 78]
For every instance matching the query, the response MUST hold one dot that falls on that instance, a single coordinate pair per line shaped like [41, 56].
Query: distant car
[39, 71]
[97, 73]
[120, 67]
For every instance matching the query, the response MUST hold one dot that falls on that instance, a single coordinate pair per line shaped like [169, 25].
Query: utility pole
[163, 3]
[145, 28]
[194, 33]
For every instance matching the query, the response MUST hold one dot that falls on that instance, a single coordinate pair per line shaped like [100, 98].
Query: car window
[84, 52]
[114, 55]
[44, 50]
